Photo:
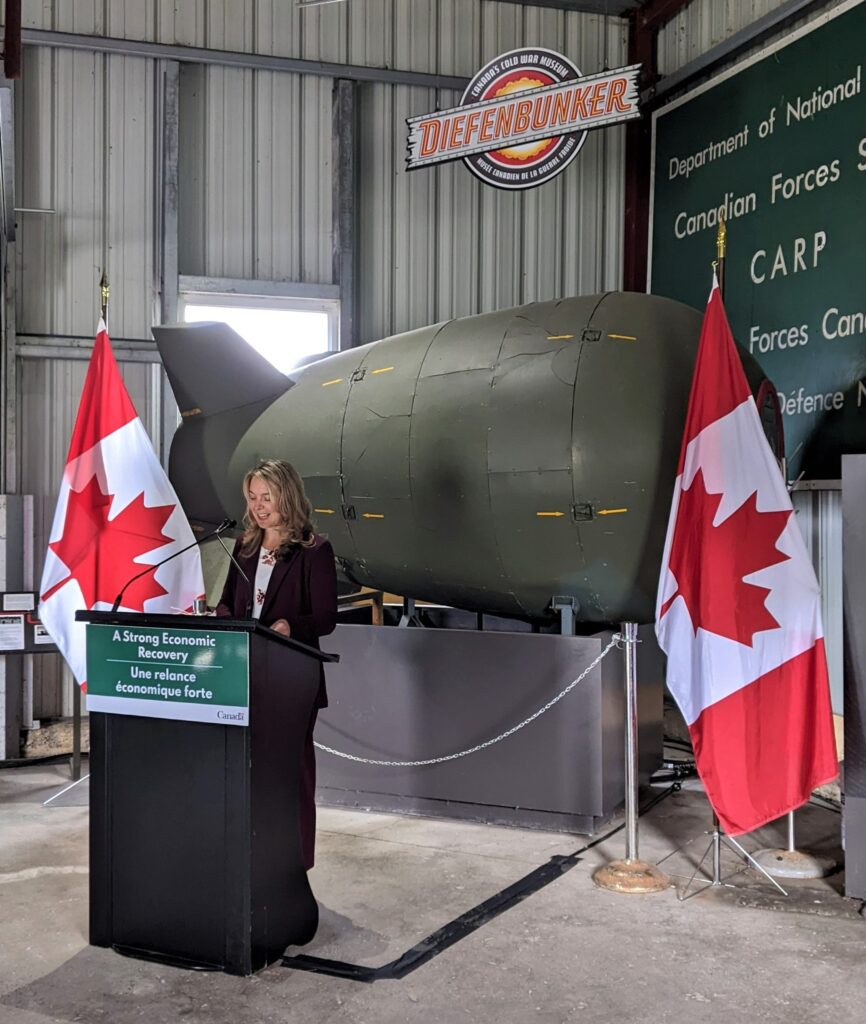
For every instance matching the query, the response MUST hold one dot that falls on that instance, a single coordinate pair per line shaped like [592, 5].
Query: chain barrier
[614, 642]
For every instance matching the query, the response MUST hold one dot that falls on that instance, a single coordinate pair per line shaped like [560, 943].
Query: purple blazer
[302, 590]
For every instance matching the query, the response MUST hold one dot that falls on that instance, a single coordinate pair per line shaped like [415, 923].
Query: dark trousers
[307, 796]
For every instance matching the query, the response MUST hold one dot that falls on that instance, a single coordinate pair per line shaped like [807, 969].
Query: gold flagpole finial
[721, 240]
[103, 291]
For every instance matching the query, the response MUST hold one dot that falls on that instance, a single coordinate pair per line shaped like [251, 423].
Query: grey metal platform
[405, 694]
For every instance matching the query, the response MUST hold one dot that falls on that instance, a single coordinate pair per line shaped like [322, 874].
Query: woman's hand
[281, 626]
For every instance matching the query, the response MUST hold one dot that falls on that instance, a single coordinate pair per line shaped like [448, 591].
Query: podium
[197, 729]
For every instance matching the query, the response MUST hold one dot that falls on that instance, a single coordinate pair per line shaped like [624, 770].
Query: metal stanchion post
[631, 874]
[630, 633]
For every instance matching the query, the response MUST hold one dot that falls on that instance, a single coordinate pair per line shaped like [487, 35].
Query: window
[285, 329]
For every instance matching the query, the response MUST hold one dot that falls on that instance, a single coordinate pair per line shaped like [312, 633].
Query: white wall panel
[228, 159]
[255, 188]
[459, 37]
[173, 22]
[86, 150]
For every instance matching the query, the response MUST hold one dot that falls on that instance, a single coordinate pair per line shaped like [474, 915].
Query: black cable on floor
[46, 759]
[464, 925]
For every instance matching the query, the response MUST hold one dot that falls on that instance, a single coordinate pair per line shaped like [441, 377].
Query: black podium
[195, 853]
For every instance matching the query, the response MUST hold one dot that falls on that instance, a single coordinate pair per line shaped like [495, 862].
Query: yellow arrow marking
[324, 511]
[328, 383]
[610, 511]
[191, 412]
[384, 369]
[559, 337]
[623, 337]
[372, 515]
[554, 515]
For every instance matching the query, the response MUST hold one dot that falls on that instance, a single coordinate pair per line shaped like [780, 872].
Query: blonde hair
[290, 501]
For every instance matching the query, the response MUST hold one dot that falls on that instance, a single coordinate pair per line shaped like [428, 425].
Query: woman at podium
[288, 581]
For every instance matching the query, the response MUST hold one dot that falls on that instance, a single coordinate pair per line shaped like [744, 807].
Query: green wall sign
[777, 146]
[194, 675]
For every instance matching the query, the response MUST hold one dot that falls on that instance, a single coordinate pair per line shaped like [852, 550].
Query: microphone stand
[226, 524]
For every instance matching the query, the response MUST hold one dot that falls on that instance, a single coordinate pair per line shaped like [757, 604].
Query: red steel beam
[12, 39]
[644, 24]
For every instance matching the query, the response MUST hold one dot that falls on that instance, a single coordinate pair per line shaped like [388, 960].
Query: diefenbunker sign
[777, 146]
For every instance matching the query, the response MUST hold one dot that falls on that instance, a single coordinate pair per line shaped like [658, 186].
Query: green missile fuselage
[493, 463]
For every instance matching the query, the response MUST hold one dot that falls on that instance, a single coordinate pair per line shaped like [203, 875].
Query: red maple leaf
[100, 552]
[710, 562]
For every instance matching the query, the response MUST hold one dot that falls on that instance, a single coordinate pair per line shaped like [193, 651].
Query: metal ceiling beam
[614, 8]
[230, 58]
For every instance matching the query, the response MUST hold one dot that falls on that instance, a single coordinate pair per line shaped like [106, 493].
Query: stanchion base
[793, 864]
[631, 876]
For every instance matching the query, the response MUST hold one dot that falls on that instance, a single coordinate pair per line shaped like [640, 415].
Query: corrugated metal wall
[703, 25]
[255, 152]
[85, 143]
[255, 175]
[438, 243]
[819, 515]
[451, 37]
[434, 244]
[255, 188]
[86, 149]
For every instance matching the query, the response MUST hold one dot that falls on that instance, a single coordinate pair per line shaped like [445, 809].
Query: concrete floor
[569, 952]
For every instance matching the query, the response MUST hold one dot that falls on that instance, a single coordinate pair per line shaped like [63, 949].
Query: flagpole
[721, 255]
[776, 862]
[717, 838]
[719, 269]
[75, 762]
[103, 293]
[793, 863]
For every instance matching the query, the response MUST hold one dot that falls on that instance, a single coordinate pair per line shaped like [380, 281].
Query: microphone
[226, 524]
[248, 611]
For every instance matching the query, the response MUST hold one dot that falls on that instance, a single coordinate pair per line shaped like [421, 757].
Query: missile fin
[212, 369]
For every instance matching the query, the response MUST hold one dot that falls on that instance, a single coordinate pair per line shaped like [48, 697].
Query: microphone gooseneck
[226, 524]
[248, 608]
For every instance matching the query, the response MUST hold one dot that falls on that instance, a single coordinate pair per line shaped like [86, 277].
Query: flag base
[636, 876]
[793, 864]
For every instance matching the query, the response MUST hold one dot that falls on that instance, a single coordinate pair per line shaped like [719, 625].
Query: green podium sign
[193, 675]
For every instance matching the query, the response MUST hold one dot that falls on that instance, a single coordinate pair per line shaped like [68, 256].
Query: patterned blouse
[267, 561]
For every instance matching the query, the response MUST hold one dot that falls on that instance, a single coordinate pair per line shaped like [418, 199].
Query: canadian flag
[116, 514]
[738, 609]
